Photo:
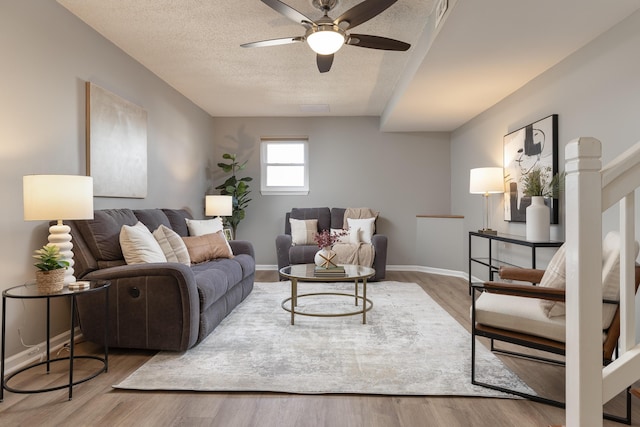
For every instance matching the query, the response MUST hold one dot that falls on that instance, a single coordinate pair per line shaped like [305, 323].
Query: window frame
[283, 190]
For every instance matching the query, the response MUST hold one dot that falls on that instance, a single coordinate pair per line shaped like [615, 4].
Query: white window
[284, 166]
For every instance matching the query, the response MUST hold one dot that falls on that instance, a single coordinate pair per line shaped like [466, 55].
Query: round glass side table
[30, 291]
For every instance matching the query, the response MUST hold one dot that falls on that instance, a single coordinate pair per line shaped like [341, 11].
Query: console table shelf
[494, 264]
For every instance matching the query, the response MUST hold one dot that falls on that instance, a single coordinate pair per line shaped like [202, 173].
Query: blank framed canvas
[116, 144]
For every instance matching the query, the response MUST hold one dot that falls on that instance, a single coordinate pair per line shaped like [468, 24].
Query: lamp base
[488, 231]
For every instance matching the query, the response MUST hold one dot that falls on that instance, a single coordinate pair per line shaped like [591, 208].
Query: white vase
[538, 220]
[325, 257]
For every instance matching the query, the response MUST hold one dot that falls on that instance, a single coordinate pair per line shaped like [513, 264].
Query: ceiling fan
[326, 36]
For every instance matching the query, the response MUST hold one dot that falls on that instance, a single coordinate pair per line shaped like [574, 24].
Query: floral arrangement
[539, 182]
[326, 238]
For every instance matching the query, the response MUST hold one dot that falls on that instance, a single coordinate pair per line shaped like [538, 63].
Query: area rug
[409, 346]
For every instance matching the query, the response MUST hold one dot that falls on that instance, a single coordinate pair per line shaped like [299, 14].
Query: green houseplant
[539, 182]
[51, 267]
[235, 187]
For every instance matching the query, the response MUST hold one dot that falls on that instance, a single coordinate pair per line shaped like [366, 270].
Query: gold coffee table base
[368, 305]
[355, 274]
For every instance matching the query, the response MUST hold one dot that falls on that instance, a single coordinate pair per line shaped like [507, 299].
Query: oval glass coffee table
[306, 273]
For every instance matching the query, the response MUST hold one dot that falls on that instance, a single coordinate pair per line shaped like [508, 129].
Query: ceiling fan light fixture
[325, 39]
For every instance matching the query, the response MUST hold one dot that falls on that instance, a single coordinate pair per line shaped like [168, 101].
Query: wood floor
[96, 403]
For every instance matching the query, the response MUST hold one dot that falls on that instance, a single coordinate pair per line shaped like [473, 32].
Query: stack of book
[330, 271]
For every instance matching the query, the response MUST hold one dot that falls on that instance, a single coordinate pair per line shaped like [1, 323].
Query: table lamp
[58, 197]
[218, 206]
[486, 181]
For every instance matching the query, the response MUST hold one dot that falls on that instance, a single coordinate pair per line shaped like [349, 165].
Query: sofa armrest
[522, 274]
[283, 245]
[151, 306]
[242, 247]
[379, 242]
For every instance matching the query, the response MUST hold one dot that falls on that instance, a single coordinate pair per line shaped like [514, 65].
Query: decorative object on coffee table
[325, 240]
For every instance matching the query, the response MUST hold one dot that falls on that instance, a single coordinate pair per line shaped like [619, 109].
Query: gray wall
[595, 92]
[352, 164]
[47, 55]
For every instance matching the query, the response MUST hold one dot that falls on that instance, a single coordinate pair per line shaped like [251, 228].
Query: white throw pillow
[303, 231]
[139, 246]
[362, 228]
[200, 227]
[172, 245]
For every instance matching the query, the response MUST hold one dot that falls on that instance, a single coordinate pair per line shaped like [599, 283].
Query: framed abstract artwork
[116, 144]
[530, 147]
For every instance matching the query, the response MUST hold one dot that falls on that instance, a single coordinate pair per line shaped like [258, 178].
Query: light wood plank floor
[96, 403]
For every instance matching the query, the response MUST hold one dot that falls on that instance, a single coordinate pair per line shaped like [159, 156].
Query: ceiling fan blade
[376, 42]
[288, 11]
[274, 42]
[324, 62]
[362, 12]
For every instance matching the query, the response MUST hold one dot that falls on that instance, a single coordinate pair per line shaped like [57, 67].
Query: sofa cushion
[323, 215]
[177, 220]
[152, 218]
[102, 233]
[518, 314]
[215, 278]
[172, 245]
[139, 246]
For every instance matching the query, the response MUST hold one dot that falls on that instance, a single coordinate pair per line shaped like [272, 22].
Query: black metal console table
[493, 264]
[30, 291]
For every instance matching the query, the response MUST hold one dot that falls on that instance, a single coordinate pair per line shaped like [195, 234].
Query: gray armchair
[289, 254]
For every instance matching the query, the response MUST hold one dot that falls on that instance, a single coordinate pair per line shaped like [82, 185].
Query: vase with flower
[325, 257]
[540, 185]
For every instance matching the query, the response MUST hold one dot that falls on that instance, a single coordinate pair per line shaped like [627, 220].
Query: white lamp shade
[57, 197]
[486, 181]
[218, 206]
[325, 41]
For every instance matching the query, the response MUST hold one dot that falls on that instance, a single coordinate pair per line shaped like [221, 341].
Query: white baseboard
[37, 352]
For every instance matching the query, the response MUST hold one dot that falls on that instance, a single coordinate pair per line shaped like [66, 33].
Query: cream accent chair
[533, 316]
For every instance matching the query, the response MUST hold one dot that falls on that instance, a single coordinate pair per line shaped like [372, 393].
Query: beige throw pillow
[303, 231]
[172, 245]
[139, 246]
[200, 227]
[207, 247]
[555, 276]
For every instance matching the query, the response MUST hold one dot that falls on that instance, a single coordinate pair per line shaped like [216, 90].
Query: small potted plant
[51, 268]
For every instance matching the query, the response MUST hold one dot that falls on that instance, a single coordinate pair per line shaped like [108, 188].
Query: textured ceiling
[481, 52]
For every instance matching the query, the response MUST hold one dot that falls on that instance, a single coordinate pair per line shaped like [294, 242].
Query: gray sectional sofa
[159, 306]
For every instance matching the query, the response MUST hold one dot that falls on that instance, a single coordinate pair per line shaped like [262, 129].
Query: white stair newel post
[583, 185]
